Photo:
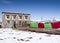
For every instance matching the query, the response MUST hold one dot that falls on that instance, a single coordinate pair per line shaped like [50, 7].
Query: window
[14, 22]
[8, 21]
[20, 22]
[20, 17]
[25, 21]
[26, 17]
[14, 16]
[7, 16]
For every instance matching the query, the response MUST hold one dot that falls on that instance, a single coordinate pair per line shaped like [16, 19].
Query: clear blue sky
[37, 8]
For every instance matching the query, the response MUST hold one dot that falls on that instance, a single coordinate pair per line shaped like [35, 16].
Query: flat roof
[14, 13]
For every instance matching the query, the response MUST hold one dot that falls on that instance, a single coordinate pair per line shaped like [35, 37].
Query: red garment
[40, 25]
[58, 24]
[54, 25]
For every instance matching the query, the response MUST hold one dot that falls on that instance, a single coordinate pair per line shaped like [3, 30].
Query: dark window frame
[14, 16]
[8, 21]
[26, 17]
[20, 17]
[7, 16]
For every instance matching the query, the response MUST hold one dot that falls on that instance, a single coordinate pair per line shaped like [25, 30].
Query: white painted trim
[25, 19]
[7, 18]
[13, 18]
[19, 18]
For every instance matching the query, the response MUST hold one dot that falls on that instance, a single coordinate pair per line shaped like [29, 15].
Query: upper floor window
[20, 17]
[14, 16]
[26, 17]
[7, 16]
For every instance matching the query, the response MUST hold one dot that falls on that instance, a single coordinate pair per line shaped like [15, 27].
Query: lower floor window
[8, 21]
[20, 22]
[25, 21]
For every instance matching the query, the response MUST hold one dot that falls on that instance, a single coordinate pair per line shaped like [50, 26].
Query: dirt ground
[48, 31]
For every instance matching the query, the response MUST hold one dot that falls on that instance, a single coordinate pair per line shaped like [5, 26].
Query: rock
[27, 40]
[22, 39]
[14, 37]
[18, 39]
[40, 38]
[30, 37]
[1, 39]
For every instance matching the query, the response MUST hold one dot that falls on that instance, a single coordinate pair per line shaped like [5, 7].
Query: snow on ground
[8, 35]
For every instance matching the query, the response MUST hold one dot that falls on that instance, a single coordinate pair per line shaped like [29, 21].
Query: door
[20, 23]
